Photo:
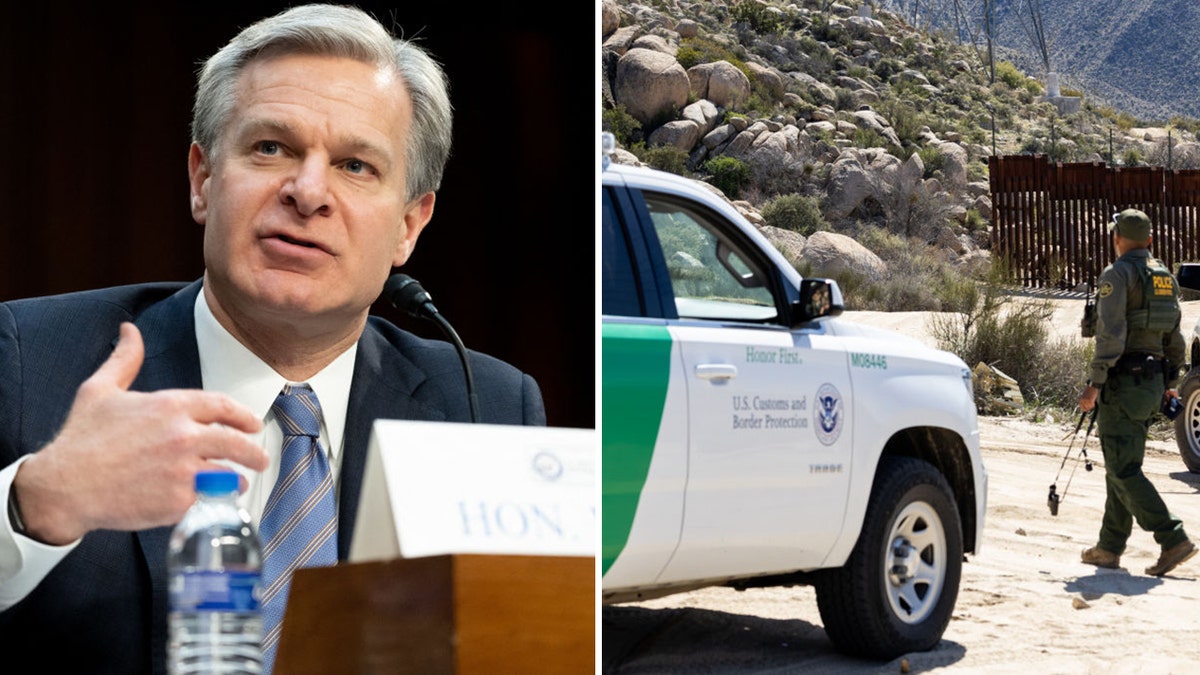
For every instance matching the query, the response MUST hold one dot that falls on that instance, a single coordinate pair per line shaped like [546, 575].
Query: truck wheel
[897, 590]
[1187, 425]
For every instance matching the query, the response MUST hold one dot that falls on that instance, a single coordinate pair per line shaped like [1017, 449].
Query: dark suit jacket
[103, 608]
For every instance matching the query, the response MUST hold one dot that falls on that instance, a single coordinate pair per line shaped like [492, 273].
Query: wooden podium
[460, 614]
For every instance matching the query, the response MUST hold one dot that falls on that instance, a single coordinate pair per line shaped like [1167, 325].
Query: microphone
[407, 295]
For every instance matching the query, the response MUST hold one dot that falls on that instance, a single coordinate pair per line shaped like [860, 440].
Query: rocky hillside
[1135, 55]
[843, 125]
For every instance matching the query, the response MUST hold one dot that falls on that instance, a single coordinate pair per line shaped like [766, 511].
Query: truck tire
[897, 590]
[1187, 425]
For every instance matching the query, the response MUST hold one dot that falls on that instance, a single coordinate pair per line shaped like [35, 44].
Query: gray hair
[347, 32]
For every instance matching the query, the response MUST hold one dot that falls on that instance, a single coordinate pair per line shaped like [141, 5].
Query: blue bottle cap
[216, 482]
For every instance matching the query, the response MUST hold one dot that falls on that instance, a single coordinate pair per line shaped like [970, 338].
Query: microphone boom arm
[408, 296]
[472, 399]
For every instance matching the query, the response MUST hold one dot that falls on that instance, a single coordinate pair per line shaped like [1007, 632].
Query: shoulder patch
[1106, 289]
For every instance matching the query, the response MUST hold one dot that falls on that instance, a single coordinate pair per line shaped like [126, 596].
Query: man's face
[304, 203]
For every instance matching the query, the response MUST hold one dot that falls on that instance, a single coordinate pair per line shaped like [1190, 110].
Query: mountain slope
[1136, 56]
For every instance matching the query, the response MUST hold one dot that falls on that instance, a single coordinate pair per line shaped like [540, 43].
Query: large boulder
[769, 148]
[872, 121]
[790, 243]
[720, 82]
[610, 17]
[818, 93]
[681, 134]
[768, 78]
[703, 113]
[656, 43]
[853, 177]
[650, 83]
[832, 255]
[620, 40]
[954, 163]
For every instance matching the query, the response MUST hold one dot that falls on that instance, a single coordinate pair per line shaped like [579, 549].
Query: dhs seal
[828, 414]
[548, 466]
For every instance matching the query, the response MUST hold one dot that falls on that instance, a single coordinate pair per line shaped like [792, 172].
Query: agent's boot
[1172, 557]
[1101, 558]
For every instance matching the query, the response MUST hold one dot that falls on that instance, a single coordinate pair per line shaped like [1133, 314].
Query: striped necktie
[299, 523]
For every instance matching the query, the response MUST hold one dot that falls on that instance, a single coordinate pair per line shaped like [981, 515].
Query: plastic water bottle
[215, 569]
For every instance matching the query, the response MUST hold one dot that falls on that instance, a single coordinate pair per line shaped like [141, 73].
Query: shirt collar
[227, 366]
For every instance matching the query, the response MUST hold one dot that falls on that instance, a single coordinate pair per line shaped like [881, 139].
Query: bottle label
[203, 590]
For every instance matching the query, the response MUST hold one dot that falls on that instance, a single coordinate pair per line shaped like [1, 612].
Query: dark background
[95, 103]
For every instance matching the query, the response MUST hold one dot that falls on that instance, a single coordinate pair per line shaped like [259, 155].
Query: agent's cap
[1131, 224]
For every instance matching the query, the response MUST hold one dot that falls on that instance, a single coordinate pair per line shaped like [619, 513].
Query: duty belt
[1139, 363]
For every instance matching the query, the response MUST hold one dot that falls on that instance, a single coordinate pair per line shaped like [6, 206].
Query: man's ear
[199, 171]
[416, 215]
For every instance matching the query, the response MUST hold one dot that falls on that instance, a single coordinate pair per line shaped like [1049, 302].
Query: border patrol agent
[1139, 348]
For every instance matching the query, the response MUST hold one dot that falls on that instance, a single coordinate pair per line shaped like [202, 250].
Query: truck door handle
[716, 371]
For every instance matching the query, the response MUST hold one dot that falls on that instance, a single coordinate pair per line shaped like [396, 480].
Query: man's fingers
[209, 407]
[229, 444]
[122, 366]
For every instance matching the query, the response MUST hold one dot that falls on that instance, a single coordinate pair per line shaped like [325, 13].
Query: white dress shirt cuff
[24, 562]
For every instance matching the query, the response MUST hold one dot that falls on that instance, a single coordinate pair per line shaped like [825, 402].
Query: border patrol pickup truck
[750, 438]
[1187, 424]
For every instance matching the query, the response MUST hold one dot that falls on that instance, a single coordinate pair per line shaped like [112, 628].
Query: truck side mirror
[818, 298]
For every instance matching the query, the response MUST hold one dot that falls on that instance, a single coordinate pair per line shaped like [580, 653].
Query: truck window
[710, 277]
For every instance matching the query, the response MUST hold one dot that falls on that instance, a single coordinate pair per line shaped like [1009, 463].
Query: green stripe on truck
[635, 371]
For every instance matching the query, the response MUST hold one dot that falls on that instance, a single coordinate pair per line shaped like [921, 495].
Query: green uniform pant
[1126, 405]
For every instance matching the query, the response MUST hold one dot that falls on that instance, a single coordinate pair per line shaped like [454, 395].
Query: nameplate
[436, 488]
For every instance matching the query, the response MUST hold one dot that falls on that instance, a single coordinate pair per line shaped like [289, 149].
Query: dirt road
[1026, 603]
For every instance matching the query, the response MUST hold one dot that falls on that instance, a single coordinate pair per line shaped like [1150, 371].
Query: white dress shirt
[226, 366]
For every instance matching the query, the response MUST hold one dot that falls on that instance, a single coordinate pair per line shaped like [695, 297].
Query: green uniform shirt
[1120, 292]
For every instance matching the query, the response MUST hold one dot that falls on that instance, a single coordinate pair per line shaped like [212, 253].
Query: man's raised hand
[127, 460]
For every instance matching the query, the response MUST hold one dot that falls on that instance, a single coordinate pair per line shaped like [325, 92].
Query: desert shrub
[868, 138]
[622, 125]
[956, 292]
[729, 174]
[1057, 383]
[933, 158]
[860, 72]
[1187, 124]
[976, 222]
[697, 50]
[757, 15]
[760, 101]
[899, 293]
[1010, 334]
[796, 213]
[689, 55]
[887, 67]
[917, 279]
[844, 99]
[665, 158]
[772, 176]
[904, 118]
[978, 171]
[1125, 121]
[1008, 73]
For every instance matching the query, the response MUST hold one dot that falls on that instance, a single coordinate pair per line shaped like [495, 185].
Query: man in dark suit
[319, 143]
